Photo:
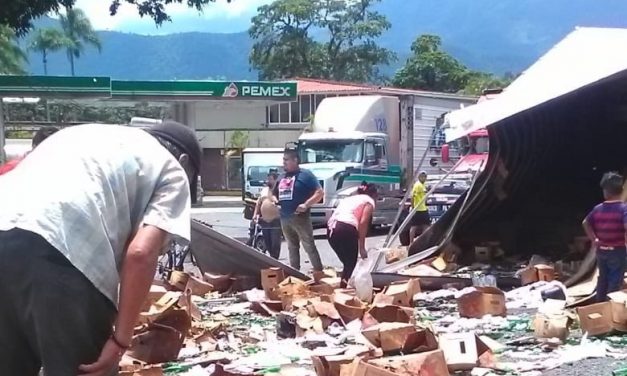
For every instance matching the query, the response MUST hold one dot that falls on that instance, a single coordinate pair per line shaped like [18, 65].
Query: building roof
[320, 86]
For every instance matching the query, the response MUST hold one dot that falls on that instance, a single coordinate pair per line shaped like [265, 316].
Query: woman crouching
[348, 226]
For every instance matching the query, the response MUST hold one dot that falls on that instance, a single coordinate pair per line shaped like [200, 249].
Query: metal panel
[218, 253]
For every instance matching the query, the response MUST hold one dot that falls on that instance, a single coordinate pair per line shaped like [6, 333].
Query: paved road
[230, 221]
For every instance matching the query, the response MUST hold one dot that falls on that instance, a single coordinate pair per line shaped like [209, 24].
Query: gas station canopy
[106, 88]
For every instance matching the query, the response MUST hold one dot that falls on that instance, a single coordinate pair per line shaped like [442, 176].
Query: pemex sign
[204, 90]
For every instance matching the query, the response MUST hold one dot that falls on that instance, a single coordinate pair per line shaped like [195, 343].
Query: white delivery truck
[354, 139]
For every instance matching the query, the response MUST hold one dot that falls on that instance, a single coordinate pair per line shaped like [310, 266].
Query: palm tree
[78, 32]
[12, 57]
[45, 41]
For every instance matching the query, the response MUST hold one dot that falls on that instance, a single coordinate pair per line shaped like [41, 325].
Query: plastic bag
[361, 280]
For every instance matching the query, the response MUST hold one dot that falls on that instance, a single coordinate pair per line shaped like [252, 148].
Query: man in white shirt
[82, 222]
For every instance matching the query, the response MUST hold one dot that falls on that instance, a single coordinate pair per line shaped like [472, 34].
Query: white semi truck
[355, 138]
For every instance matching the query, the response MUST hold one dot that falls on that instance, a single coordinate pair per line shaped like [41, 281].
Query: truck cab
[354, 139]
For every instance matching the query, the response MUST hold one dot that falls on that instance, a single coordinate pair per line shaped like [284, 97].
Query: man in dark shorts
[606, 227]
[421, 221]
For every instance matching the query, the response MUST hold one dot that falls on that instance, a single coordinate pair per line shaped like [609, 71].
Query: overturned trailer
[553, 133]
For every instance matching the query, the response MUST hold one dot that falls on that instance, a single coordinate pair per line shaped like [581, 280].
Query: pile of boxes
[395, 344]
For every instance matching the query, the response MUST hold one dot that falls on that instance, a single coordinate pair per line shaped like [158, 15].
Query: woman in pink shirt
[348, 226]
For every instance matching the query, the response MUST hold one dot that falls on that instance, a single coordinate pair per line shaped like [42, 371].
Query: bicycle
[174, 260]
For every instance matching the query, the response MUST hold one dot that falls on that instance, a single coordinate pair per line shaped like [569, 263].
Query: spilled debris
[220, 325]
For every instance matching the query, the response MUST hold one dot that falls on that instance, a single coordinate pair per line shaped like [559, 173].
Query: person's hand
[256, 218]
[363, 253]
[302, 208]
[596, 243]
[108, 361]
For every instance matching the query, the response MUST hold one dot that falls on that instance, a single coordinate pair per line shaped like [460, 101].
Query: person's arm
[138, 271]
[317, 195]
[363, 227]
[258, 204]
[590, 232]
[315, 198]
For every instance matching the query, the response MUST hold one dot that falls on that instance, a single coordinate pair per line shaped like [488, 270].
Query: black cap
[184, 138]
[180, 135]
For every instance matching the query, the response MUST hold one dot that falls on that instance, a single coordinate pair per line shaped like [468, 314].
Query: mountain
[490, 35]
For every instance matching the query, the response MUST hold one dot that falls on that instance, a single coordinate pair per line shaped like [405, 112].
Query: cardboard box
[403, 292]
[422, 340]
[596, 319]
[389, 336]
[395, 254]
[198, 287]
[545, 272]
[482, 301]
[552, 326]
[528, 276]
[540, 272]
[483, 254]
[220, 282]
[430, 363]
[270, 278]
[330, 365]
[618, 301]
[388, 313]
[179, 279]
[465, 351]
[349, 307]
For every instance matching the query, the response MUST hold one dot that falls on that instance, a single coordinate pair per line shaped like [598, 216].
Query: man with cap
[77, 258]
[421, 221]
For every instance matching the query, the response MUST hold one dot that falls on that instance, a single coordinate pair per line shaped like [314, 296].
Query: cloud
[221, 16]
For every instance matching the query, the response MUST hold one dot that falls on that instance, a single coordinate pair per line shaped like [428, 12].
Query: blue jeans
[272, 236]
[611, 265]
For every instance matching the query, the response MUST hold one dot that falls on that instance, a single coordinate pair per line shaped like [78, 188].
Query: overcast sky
[218, 17]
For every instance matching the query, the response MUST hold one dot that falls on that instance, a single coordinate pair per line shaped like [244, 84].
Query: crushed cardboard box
[427, 363]
[198, 287]
[349, 307]
[480, 301]
[403, 292]
[389, 336]
[388, 313]
[162, 340]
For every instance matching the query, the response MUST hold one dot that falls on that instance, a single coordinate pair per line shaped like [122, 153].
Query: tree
[430, 68]
[78, 32]
[20, 13]
[334, 39]
[477, 82]
[12, 57]
[45, 41]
